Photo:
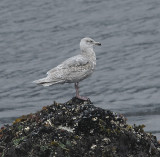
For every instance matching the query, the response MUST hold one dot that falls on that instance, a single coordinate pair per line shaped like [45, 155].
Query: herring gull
[74, 69]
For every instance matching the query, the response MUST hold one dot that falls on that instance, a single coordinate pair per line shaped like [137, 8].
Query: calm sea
[37, 35]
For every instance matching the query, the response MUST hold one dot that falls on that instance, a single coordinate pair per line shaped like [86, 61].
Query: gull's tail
[43, 82]
[46, 82]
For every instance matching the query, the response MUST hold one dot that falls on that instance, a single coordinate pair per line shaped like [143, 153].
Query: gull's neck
[89, 54]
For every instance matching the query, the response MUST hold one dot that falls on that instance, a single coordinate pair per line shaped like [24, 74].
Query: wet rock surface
[76, 129]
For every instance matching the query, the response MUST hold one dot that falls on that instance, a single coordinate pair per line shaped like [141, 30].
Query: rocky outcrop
[76, 129]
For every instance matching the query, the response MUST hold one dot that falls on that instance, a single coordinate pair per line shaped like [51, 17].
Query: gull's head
[88, 43]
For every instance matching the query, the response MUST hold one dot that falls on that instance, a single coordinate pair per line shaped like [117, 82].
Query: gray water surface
[37, 35]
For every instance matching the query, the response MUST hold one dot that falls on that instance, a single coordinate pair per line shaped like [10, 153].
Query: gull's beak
[97, 43]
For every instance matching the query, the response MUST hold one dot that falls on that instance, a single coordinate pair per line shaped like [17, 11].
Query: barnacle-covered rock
[76, 129]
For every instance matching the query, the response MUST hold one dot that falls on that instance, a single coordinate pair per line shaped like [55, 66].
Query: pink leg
[77, 93]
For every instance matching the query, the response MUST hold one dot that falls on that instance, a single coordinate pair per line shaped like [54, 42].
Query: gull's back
[71, 70]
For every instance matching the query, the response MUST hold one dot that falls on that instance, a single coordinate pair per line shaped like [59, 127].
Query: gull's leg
[77, 93]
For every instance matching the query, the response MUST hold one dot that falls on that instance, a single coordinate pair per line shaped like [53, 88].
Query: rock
[76, 129]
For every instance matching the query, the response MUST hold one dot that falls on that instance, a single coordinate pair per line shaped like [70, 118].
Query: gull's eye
[89, 41]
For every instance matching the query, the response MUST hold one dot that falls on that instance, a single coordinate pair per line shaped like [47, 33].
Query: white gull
[74, 69]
